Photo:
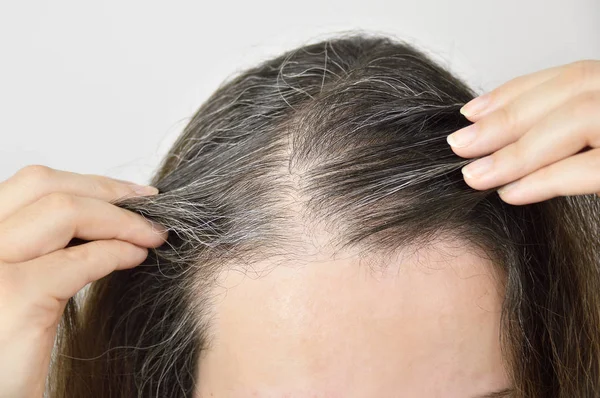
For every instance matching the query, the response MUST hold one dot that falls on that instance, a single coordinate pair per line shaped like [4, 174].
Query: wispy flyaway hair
[345, 138]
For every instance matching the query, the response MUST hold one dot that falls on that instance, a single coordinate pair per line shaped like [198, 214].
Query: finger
[33, 182]
[571, 128]
[576, 175]
[51, 222]
[61, 274]
[502, 95]
[507, 124]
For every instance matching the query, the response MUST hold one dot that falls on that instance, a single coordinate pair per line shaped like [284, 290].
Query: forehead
[426, 324]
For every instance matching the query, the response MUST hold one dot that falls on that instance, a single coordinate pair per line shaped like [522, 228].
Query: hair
[347, 136]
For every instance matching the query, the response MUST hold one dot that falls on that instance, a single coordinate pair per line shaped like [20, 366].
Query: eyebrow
[507, 392]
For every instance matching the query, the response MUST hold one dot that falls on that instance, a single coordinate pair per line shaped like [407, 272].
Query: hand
[41, 210]
[535, 127]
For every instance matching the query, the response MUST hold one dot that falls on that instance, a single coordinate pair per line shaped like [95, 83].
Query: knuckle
[543, 174]
[582, 72]
[588, 103]
[507, 118]
[587, 65]
[517, 158]
[105, 251]
[96, 189]
[545, 182]
[583, 107]
[103, 187]
[58, 202]
[35, 173]
[81, 253]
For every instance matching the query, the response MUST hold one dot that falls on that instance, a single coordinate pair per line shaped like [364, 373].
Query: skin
[41, 210]
[533, 127]
[427, 326]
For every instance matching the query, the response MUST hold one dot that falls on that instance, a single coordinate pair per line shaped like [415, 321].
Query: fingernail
[476, 105]
[478, 167]
[462, 137]
[158, 228]
[144, 189]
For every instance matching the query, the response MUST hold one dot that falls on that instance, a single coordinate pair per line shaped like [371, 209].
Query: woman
[321, 240]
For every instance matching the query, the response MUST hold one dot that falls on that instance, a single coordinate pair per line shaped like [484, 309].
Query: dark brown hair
[352, 131]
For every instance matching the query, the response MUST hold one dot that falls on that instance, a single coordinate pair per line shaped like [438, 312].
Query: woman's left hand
[535, 128]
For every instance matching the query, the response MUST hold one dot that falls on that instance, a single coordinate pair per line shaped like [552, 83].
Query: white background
[104, 87]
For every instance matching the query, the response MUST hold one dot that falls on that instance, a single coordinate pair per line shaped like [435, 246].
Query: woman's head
[323, 243]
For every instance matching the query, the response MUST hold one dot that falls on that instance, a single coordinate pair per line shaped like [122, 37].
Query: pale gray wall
[105, 86]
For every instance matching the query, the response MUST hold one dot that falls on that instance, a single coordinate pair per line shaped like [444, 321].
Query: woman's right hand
[41, 210]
